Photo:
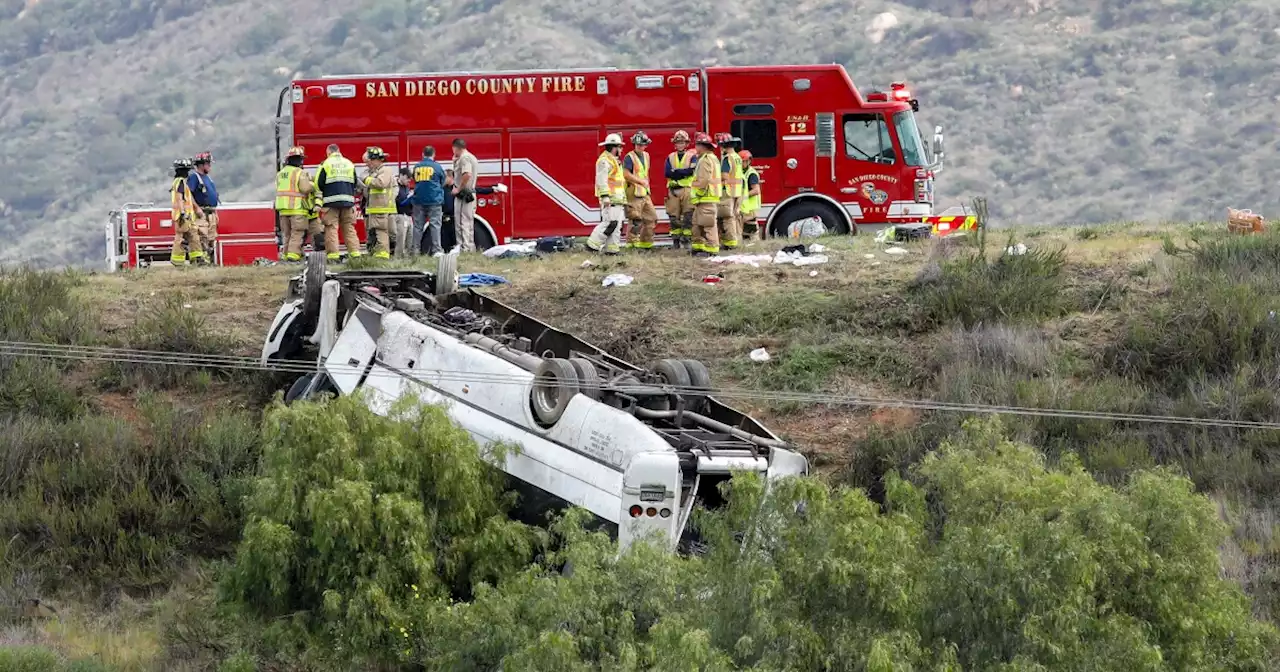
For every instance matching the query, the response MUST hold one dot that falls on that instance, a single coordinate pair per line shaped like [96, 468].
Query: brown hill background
[1056, 110]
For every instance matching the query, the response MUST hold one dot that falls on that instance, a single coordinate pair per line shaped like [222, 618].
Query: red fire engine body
[822, 149]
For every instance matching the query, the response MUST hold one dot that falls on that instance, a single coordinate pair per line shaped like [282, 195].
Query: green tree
[355, 516]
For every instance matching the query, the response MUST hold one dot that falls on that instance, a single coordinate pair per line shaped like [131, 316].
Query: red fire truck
[823, 150]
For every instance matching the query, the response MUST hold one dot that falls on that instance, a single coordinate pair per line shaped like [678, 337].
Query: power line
[436, 376]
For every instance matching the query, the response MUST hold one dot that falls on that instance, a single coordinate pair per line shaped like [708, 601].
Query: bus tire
[554, 384]
[312, 282]
[699, 376]
[672, 372]
[832, 221]
[588, 378]
[446, 275]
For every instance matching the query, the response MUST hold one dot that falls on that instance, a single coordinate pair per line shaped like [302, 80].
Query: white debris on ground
[616, 280]
[755, 260]
[518, 248]
[1016, 250]
[759, 355]
[896, 250]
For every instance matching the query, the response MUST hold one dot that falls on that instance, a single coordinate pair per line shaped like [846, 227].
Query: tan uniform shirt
[465, 163]
[707, 173]
[382, 178]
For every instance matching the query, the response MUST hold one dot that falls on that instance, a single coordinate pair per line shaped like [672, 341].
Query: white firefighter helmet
[611, 139]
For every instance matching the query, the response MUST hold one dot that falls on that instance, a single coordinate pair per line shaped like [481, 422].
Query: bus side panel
[553, 181]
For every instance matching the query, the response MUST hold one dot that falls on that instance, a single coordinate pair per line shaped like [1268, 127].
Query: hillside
[141, 478]
[1056, 110]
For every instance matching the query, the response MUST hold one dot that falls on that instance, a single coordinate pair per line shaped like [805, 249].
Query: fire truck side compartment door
[553, 181]
[799, 161]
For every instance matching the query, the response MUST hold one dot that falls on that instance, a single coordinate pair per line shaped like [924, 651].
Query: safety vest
[733, 188]
[616, 189]
[289, 199]
[339, 181]
[388, 206]
[680, 162]
[710, 193]
[749, 203]
[641, 171]
[181, 202]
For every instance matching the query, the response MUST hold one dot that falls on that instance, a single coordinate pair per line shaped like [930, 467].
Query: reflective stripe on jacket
[339, 189]
[711, 192]
[289, 196]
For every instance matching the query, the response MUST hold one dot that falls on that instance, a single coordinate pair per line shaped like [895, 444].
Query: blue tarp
[480, 280]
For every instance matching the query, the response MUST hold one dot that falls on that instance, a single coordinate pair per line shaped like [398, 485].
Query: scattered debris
[1016, 250]
[480, 280]
[713, 279]
[616, 280]
[809, 227]
[759, 355]
[798, 258]
[1244, 221]
[554, 244]
[901, 233]
[588, 264]
[511, 250]
[813, 274]
[753, 260]
[896, 250]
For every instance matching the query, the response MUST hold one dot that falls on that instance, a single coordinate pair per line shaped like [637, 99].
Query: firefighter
[640, 210]
[336, 180]
[379, 187]
[750, 228]
[679, 174]
[705, 198]
[206, 195]
[295, 196]
[185, 216]
[730, 170]
[612, 191]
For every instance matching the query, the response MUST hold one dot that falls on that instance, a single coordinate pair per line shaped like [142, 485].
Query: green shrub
[113, 502]
[993, 557]
[175, 329]
[41, 307]
[972, 289]
[354, 516]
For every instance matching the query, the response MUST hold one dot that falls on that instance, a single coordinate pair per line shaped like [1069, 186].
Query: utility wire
[436, 376]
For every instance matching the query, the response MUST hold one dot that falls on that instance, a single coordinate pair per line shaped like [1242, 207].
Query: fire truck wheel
[672, 372]
[834, 223]
[699, 376]
[312, 282]
[555, 383]
[588, 377]
[447, 275]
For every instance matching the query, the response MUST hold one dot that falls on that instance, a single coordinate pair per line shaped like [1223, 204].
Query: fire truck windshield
[904, 123]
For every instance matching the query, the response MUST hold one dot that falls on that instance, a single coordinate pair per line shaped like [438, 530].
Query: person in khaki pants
[336, 180]
[679, 173]
[640, 210]
[465, 168]
[706, 190]
[380, 189]
[293, 187]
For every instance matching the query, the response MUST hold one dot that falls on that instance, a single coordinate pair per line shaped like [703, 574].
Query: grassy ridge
[133, 475]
